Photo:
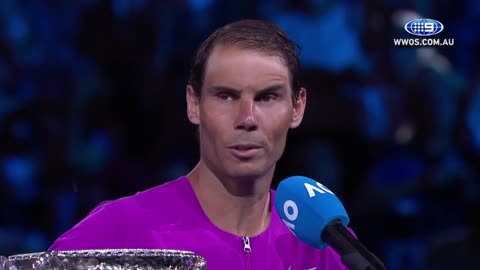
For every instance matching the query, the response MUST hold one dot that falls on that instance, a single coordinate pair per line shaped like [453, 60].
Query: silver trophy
[105, 259]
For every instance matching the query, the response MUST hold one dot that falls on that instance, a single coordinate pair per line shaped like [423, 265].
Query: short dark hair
[252, 34]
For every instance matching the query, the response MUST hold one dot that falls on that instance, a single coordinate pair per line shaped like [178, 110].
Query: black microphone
[316, 216]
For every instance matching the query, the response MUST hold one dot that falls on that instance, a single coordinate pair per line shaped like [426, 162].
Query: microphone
[316, 217]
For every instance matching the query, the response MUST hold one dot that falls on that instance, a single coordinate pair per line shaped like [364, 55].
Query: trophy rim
[109, 253]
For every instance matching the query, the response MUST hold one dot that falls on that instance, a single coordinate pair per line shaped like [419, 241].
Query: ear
[193, 108]
[299, 108]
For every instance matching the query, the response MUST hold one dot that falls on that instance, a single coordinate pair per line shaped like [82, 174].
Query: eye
[224, 96]
[268, 97]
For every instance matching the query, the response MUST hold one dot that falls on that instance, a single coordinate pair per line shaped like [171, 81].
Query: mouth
[245, 151]
[245, 147]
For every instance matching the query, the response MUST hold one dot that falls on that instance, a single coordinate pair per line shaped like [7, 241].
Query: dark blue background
[92, 107]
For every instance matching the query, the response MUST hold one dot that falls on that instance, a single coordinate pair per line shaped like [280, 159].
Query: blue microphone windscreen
[306, 207]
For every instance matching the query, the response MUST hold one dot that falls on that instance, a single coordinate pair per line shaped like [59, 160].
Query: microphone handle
[354, 255]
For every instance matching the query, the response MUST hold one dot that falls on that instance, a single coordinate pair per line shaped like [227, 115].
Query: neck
[238, 206]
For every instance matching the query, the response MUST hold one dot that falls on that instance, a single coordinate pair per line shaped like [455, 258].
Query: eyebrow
[268, 89]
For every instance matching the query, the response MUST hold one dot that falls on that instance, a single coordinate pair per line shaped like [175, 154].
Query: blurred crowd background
[92, 107]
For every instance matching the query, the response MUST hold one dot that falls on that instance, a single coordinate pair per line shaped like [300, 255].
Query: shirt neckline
[274, 218]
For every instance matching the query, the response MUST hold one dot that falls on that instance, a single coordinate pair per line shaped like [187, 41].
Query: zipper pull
[246, 244]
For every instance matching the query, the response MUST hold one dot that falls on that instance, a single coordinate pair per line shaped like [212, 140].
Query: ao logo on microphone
[290, 208]
[424, 27]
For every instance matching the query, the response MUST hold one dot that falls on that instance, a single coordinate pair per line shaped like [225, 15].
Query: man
[244, 96]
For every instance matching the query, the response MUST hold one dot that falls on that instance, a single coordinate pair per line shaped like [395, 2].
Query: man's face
[244, 112]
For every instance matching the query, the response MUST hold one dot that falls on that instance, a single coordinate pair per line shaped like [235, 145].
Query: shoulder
[158, 199]
[106, 225]
[170, 192]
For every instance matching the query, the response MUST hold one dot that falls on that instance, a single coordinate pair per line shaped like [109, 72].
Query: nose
[246, 116]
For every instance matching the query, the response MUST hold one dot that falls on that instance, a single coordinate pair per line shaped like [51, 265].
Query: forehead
[243, 68]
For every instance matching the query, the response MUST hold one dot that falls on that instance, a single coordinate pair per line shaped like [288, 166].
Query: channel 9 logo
[424, 27]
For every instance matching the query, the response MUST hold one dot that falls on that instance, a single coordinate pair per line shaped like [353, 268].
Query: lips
[245, 151]
[245, 147]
